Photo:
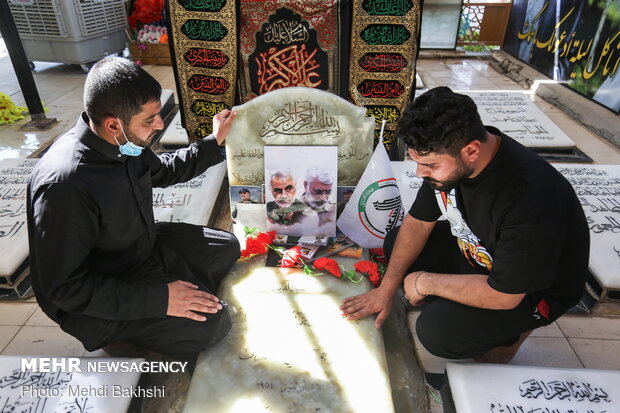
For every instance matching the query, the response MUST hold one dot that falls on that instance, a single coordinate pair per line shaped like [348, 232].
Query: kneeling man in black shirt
[100, 265]
[512, 252]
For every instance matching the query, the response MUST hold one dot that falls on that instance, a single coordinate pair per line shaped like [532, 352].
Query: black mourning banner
[287, 54]
[574, 42]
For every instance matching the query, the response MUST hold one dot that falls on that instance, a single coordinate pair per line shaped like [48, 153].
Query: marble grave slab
[598, 189]
[408, 183]
[517, 116]
[24, 391]
[298, 116]
[290, 350]
[488, 388]
[167, 102]
[192, 201]
[175, 134]
[14, 174]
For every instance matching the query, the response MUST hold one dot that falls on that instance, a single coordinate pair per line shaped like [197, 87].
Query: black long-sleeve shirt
[91, 227]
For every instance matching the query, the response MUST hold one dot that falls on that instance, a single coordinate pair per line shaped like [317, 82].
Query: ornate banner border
[384, 48]
[203, 38]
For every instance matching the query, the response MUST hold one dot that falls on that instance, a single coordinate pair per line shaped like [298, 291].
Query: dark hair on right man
[440, 121]
[118, 87]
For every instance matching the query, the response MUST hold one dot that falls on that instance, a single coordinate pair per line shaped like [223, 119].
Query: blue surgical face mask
[128, 148]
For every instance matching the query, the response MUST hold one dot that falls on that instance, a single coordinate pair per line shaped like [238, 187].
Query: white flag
[375, 206]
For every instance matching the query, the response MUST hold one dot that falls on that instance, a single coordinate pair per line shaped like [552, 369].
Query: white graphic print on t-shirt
[468, 242]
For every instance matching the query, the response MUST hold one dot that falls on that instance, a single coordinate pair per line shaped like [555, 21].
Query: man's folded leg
[176, 337]
[455, 331]
[197, 254]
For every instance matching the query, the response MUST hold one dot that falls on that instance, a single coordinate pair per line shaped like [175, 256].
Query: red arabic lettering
[383, 89]
[209, 58]
[291, 66]
[208, 84]
[383, 62]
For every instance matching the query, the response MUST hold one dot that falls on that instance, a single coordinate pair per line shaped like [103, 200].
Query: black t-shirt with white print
[521, 220]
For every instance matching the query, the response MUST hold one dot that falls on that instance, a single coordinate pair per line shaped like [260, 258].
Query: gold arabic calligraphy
[572, 48]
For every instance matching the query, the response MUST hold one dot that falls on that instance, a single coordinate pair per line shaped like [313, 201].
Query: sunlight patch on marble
[290, 349]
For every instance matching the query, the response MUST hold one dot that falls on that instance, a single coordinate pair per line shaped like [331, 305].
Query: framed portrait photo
[301, 189]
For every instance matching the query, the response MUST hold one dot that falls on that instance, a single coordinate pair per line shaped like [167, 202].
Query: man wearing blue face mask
[100, 266]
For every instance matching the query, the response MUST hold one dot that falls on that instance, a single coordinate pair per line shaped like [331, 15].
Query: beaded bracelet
[415, 286]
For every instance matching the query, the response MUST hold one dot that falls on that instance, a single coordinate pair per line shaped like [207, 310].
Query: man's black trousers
[456, 331]
[197, 254]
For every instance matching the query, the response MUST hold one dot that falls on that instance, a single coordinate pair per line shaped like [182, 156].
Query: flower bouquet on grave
[148, 32]
[292, 258]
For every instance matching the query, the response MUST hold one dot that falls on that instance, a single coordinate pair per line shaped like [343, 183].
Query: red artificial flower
[258, 245]
[253, 247]
[378, 255]
[369, 269]
[327, 264]
[290, 257]
[266, 237]
[146, 12]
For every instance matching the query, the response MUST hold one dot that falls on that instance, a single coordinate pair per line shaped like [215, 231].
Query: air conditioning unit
[70, 31]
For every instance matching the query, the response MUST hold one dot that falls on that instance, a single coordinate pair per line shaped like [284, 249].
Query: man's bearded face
[442, 171]
[317, 193]
[283, 191]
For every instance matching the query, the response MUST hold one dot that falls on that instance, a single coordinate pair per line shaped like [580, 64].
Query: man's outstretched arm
[187, 163]
[409, 243]
[469, 289]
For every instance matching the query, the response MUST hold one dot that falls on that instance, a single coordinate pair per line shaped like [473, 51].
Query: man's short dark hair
[244, 190]
[118, 87]
[441, 121]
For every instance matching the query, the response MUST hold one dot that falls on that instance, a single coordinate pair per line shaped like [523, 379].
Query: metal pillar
[22, 70]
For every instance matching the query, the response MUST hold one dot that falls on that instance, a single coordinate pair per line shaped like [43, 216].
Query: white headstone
[290, 350]
[408, 183]
[175, 134]
[598, 189]
[192, 201]
[517, 116]
[166, 95]
[14, 174]
[298, 116]
[65, 391]
[489, 388]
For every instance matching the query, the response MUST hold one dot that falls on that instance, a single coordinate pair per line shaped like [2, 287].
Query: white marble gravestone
[488, 388]
[290, 350]
[598, 189]
[14, 174]
[517, 116]
[298, 116]
[175, 134]
[192, 201]
[24, 390]
[408, 183]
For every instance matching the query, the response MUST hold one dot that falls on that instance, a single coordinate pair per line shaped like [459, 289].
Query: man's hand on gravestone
[222, 122]
[186, 300]
[374, 301]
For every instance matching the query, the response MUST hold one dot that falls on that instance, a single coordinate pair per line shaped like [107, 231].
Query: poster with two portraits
[300, 193]
[300, 189]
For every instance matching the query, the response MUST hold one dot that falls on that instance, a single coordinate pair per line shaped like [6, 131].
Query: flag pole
[381, 133]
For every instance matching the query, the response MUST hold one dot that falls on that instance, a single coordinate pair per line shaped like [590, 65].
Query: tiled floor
[574, 341]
